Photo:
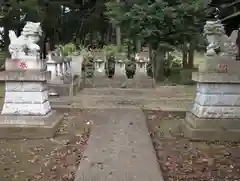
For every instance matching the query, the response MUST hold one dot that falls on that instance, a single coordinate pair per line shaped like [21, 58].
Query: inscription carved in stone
[223, 68]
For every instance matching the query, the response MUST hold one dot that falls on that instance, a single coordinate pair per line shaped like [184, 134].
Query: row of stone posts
[58, 65]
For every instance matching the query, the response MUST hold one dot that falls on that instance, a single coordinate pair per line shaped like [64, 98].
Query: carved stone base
[196, 128]
[26, 93]
[215, 114]
[65, 89]
[29, 126]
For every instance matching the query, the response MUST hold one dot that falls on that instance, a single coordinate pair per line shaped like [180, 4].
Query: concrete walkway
[119, 148]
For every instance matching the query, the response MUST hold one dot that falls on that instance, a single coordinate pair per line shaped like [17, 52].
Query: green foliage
[68, 49]
[172, 61]
[167, 21]
[112, 50]
[73, 49]
[130, 65]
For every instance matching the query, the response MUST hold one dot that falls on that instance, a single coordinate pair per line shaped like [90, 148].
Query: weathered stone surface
[26, 62]
[211, 123]
[26, 97]
[29, 126]
[212, 65]
[52, 67]
[120, 68]
[66, 89]
[29, 75]
[218, 99]
[212, 77]
[209, 134]
[119, 148]
[26, 108]
[77, 65]
[213, 88]
[215, 111]
[25, 86]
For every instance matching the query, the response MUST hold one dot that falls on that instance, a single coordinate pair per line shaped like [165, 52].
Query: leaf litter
[47, 159]
[185, 160]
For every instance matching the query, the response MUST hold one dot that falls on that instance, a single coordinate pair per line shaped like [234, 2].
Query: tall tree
[163, 24]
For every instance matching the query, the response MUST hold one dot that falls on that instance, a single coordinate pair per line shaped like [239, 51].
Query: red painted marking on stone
[223, 67]
[22, 65]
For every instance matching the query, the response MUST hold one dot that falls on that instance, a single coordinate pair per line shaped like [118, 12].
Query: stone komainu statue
[26, 43]
[219, 42]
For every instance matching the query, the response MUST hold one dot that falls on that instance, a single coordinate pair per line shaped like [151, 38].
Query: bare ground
[181, 159]
[47, 159]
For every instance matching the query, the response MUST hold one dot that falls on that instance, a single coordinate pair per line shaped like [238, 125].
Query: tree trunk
[6, 29]
[6, 38]
[118, 32]
[159, 60]
[184, 56]
[151, 58]
[118, 36]
[138, 46]
[191, 55]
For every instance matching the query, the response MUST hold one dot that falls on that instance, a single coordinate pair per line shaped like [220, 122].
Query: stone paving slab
[119, 148]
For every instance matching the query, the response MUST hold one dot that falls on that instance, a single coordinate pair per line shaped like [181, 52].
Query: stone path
[119, 148]
[165, 98]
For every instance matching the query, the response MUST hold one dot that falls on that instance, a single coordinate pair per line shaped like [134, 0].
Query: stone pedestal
[63, 81]
[52, 67]
[26, 110]
[99, 66]
[215, 114]
[119, 67]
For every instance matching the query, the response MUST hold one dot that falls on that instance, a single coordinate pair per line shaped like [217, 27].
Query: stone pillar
[58, 69]
[215, 114]
[117, 67]
[52, 67]
[26, 111]
[66, 66]
[63, 68]
[69, 64]
[102, 66]
[145, 67]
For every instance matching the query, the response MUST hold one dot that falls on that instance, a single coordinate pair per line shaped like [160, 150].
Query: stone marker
[63, 82]
[215, 114]
[26, 110]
